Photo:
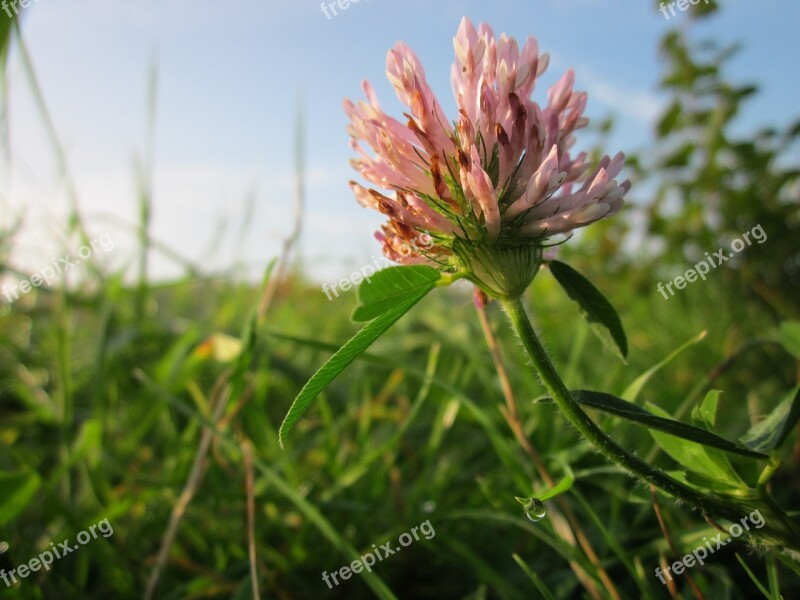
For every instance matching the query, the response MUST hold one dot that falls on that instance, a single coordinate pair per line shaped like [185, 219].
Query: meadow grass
[105, 408]
[155, 405]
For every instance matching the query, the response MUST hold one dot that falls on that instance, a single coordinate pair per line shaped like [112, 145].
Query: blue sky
[229, 79]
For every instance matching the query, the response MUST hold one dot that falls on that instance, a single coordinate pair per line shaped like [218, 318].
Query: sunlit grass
[106, 387]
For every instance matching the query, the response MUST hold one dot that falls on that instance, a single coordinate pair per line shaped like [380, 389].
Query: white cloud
[638, 103]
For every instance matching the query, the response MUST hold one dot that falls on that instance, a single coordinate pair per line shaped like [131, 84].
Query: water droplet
[3, 547]
[429, 506]
[534, 508]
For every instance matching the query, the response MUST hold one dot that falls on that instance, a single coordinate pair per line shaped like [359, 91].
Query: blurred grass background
[106, 385]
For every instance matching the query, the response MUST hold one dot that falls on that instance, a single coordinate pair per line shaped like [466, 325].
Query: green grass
[106, 388]
[107, 409]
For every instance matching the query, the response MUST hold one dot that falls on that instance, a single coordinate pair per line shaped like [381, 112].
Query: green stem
[712, 505]
[767, 474]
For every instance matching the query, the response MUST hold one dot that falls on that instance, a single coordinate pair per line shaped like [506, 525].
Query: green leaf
[769, 433]
[634, 388]
[627, 410]
[706, 411]
[597, 310]
[789, 334]
[385, 289]
[709, 463]
[388, 315]
[564, 485]
[19, 488]
[728, 485]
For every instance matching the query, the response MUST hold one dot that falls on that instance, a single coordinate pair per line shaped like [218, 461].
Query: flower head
[492, 187]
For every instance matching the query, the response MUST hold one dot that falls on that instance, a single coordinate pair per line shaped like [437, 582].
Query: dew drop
[3, 547]
[534, 508]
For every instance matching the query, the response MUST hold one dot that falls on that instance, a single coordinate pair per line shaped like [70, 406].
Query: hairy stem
[512, 417]
[714, 505]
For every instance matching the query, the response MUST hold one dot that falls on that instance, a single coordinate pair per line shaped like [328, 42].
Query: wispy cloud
[641, 104]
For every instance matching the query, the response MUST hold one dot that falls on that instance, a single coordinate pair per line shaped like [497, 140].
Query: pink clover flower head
[493, 187]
